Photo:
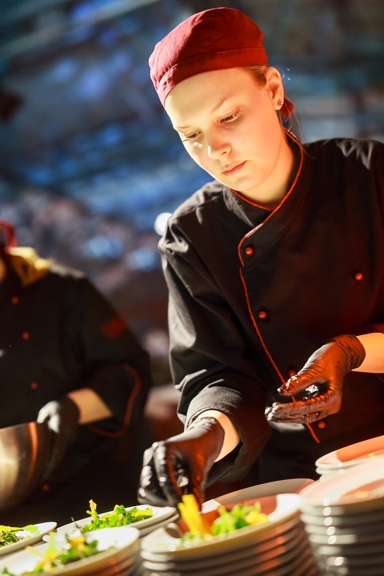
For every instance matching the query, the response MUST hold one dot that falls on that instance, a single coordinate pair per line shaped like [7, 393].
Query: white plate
[172, 519]
[124, 539]
[159, 515]
[356, 529]
[279, 507]
[356, 489]
[342, 520]
[341, 566]
[29, 539]
[290, 486]
[123, 568]
[352, 455]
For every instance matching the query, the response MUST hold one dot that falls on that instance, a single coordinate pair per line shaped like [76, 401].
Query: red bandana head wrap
[7, 235]
[214, 39]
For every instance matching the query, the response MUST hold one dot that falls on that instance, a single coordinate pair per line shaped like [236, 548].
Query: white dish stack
[351, 456]
[278, 547]
[344, 521]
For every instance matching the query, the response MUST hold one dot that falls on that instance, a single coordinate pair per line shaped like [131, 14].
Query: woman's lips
[233, 170]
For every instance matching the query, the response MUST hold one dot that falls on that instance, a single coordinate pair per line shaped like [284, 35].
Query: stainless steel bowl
[25, 450]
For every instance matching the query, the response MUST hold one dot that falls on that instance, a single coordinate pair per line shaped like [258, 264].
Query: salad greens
[12, 534]
[118, 517]
[55, 558]
[240, 516]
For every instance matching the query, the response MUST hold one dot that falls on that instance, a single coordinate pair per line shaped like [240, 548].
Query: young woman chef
[275, 272]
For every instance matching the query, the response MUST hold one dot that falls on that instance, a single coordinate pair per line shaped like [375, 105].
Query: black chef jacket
[59, 334]
[253, 293]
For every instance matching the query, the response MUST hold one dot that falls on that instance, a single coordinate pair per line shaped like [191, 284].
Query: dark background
[88, 159]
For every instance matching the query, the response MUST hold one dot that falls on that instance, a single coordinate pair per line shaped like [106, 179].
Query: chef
[275, 272]
[68, 359]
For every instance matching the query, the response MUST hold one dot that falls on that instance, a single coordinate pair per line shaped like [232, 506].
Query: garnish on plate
[204, 526]
[12, 534]
[118, 517]
[56, 557]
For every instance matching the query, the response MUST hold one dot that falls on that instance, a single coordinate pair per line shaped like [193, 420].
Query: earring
[279, 104]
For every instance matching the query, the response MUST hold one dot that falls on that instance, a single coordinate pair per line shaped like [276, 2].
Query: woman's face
[229, 126]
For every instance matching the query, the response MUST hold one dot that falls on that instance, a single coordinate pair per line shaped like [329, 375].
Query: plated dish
[279, 508]
[160, 515]
[276, 543]
[116, 546]
[28, 538]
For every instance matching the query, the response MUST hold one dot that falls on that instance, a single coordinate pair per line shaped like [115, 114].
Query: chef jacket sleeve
[374, 160]
[210, 362]
[115, 365]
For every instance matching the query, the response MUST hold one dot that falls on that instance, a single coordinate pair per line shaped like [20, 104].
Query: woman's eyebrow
[223, 101]
[180, 127]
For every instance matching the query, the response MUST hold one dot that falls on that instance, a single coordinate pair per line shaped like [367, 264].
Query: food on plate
[220, 522]
[120, 516]
[12, 534]
[56, 557]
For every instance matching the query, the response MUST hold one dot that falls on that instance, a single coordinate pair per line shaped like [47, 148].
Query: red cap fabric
[7, 235]
[213, 39]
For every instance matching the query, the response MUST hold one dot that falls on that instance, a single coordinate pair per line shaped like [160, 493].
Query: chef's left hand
[321, 379]
[63, 418]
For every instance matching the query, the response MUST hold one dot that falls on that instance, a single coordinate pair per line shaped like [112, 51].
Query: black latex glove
[321, 379]
[180, 465]
[63, 419]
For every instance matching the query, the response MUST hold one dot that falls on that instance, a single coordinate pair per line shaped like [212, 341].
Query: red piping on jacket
[245, 286]
[128, 412]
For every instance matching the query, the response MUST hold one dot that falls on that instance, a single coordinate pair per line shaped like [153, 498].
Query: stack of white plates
[276, 548]
[343, 459]
[123, 559]
[344, 520]
[161, 517]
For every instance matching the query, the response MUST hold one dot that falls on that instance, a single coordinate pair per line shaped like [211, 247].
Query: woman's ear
[274, 85]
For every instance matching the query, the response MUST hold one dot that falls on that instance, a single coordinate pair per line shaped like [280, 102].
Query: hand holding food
[63, 419]
[180, 465]
[322, 379]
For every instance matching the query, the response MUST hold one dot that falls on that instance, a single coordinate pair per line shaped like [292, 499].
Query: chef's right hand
[180, 465]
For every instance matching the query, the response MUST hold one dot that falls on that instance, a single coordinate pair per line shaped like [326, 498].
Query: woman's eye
[230, 118]
[190, 137]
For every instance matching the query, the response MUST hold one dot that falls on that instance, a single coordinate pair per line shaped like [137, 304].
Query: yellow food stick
[190, 513]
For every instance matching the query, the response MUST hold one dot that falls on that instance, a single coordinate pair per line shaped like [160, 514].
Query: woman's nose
[217, 146]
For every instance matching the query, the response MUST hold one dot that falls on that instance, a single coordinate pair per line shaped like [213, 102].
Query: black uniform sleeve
[115, 365]
[374, 161]
[210, 363]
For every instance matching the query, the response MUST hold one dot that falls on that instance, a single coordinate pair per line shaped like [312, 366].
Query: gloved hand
[322, 380]
[63, 418]
[180, 465]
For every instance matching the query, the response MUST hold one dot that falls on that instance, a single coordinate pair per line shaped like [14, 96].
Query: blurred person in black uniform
[67, 358]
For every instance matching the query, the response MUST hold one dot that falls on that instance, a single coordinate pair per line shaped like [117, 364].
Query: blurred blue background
[88, 159]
